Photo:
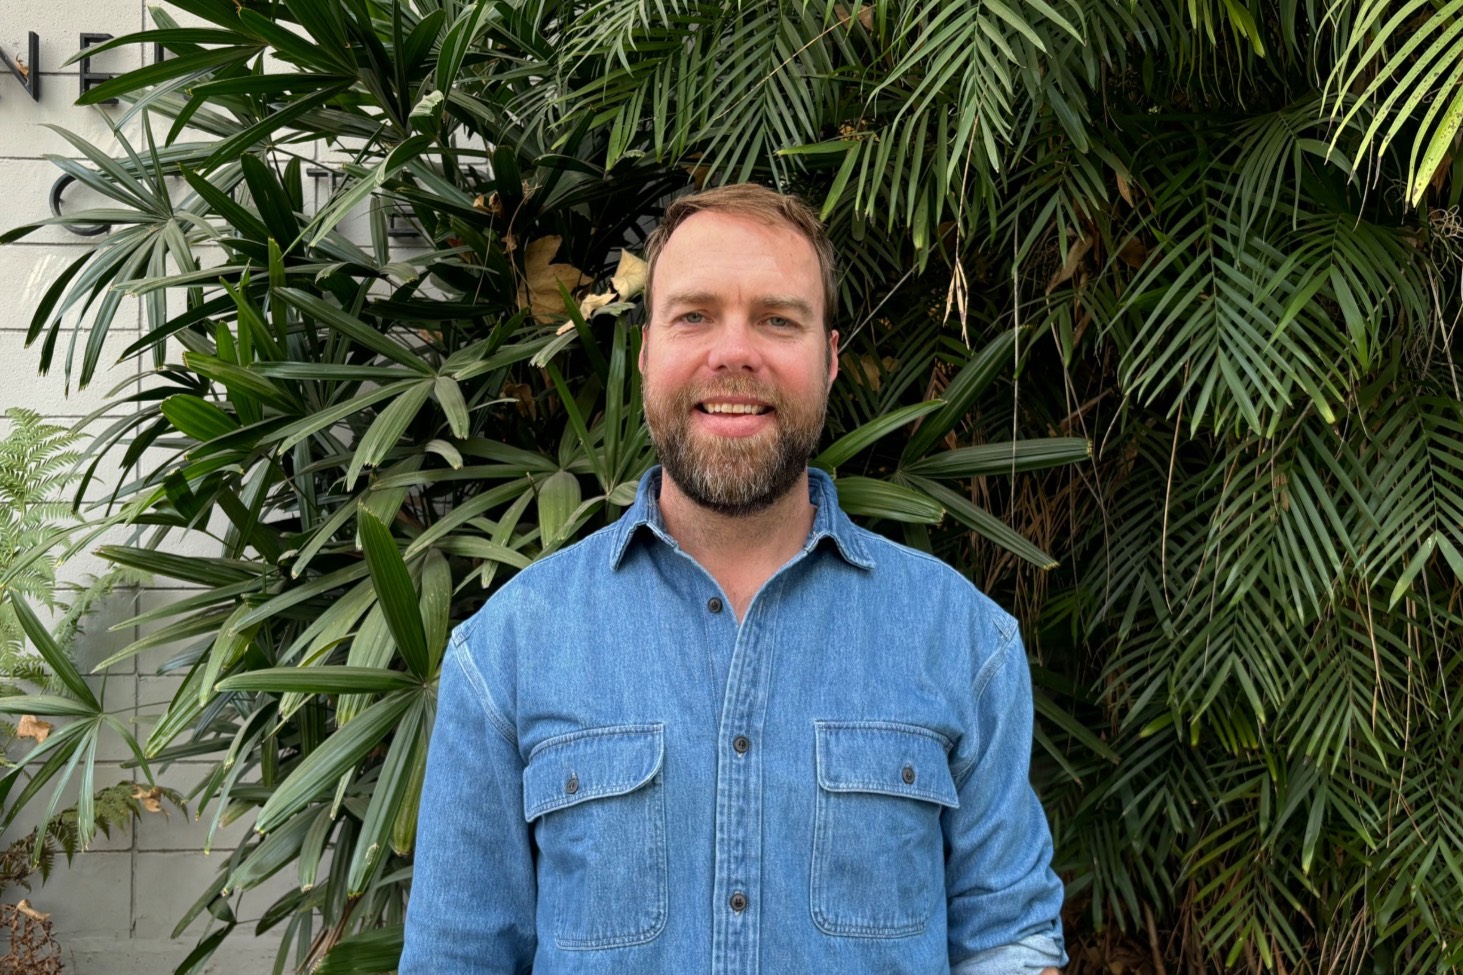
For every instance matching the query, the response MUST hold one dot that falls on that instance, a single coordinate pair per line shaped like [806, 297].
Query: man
[732, 732]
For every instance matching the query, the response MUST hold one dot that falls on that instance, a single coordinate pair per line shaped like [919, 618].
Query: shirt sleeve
[471, 910]
[1004, 900]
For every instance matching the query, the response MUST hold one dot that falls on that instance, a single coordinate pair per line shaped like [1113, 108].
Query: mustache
[741, 386]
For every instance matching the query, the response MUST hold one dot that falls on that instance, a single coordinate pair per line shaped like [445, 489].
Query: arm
[1004, 901]
[473, 886]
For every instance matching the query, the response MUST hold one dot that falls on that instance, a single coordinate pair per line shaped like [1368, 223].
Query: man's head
[756, 203]
[738, 355]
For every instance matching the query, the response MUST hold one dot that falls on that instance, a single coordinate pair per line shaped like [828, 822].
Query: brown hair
[759, 203]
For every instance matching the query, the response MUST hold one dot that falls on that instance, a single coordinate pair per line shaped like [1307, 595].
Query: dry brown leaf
[523, 393]
[1124, 190]
[629, 277]
[34, 728]
[491, 204]
[539, 290]
[864, 369]
[864, 13]
[1134, 253]
[151, 799]
[1440, 175]
[588, 305]
[30, 912]
[1075, 253]
[698, 174]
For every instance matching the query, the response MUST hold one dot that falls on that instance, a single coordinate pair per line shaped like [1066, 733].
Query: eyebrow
[775, 302]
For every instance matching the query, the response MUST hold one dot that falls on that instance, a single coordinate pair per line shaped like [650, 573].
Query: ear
[832, 356]
[644, 344]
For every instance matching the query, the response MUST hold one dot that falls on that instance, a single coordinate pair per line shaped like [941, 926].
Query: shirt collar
[829, 521]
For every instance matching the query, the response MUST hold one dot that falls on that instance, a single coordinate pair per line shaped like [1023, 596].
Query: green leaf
[317, 774]
[318, 680]
[194, 569]
[856, 441]
[406, 750]
[459, 39]
[1404, 581]
[388, 428]
[51, 652]
[195, 65]
[449, 396]
[995, 459]
[300, 430]
[869, 498]
[558, 497]
[973, 379]
[354, 328]
[272, 852]
[436, 604]
[984, 523]
[366, 952]
[398, 598]
[343, 203]
[47, 704]
[198, 418]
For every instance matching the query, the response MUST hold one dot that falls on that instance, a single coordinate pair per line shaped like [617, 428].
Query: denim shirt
[624, 779]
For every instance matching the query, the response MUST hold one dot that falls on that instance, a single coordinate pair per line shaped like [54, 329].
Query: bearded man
[734, 733]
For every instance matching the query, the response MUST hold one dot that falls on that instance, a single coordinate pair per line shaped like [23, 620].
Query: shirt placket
[737, 884]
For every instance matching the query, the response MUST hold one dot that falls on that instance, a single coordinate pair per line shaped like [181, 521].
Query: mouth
[727, 408]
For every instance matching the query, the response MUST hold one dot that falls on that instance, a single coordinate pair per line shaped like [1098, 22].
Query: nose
[734, 347]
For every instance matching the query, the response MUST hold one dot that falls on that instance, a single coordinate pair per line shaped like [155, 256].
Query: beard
[734, 476]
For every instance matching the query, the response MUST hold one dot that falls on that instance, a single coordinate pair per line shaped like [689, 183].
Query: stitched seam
[584, 795]
[895, 726]
[658, 918]
[885, 789]
[988, 672]
[475, 678]
[628, 729]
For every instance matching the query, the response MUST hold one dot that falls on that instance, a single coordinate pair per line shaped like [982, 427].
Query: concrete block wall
[114, 909]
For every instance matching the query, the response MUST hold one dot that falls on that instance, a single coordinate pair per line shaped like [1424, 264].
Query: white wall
[114, 909]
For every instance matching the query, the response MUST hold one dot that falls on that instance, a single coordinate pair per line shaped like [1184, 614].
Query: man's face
[736, 362]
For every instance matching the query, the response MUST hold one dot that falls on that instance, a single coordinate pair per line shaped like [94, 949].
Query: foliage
[115, 807]
[37, 464]
[36, 467]
[1218, 241]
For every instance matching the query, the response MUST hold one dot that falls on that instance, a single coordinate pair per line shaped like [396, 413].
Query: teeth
[733, 408]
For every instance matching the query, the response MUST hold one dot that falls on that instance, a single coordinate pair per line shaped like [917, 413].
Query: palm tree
[1218, 242]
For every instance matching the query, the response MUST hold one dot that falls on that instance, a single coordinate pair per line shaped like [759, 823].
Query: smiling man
[733, 732]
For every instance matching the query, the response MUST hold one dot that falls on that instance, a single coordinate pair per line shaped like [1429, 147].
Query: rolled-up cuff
[1028, 956]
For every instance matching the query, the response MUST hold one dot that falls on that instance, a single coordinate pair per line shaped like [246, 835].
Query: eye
[692, 318]
[777, 321]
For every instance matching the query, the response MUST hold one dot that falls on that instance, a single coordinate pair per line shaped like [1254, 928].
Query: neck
[740, 552]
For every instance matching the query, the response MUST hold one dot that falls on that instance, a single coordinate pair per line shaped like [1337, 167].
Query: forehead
[720, 251]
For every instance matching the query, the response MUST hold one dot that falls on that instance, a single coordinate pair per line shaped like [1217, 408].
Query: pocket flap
[584, 765]
[885, 757]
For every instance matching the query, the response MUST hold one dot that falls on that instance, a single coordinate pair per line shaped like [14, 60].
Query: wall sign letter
[29, 74]
[89, 78]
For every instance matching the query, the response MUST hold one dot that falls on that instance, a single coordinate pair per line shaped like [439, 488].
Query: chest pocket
[596, 800]
[878, 866]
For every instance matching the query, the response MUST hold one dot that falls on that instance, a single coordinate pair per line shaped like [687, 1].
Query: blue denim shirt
[623, 779]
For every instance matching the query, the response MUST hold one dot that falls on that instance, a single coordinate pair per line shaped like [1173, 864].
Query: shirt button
[714, 604]
[572, 786]
[741, 743]
[739, 902]
[908, 775]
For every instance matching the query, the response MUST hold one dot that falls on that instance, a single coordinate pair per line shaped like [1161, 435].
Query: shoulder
[538, 591]
[923, 578]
